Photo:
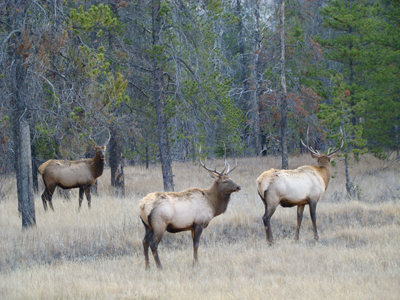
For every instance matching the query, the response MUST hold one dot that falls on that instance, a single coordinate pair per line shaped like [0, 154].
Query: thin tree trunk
[244, 98]
[26, 206]
[285, 163]
[116, 164]
[348, 182]
[147, 156]
[256, 99]
[34, 171]
[166, 163]
[25, 170]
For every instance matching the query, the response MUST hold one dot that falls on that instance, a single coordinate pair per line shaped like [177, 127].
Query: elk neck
[96, 164]
[219, 201]
[324, 171]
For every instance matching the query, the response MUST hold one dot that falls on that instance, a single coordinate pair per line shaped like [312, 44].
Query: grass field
[97, 254]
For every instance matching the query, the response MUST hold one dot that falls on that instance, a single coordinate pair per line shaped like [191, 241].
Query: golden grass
[97, 254]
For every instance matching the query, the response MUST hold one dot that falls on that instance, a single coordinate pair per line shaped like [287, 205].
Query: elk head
[100, 151]
[324, 159]
[225, 184]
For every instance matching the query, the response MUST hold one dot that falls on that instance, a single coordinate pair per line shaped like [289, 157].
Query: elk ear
[332, 156]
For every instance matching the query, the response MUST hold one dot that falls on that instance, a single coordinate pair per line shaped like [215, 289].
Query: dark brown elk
[299, 187]
[66, 174]
[191, 209]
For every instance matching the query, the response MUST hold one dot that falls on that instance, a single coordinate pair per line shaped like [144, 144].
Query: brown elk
[191, 209]
[302, 186]
[66, 174]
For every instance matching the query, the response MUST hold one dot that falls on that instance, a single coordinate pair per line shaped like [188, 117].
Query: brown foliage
[25, 45]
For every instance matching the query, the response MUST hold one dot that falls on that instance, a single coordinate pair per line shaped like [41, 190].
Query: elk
[299, 187]
[191, 209]
[66, 174]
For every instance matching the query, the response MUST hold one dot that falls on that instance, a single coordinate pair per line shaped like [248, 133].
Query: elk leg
[47, 197]
[146, 243]
[81, 191]
[88, 196]
[196, 233]
[313, 206]
[155, 240]
[44, 199]
[300, 210]
[269, 211]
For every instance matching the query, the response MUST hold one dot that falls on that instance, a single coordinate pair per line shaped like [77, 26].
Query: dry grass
[97, 254]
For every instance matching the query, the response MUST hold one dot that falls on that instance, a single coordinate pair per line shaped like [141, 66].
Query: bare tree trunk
[166, 163]
[147, 157]
[116, 164]
[396, 130]
[256, 98]
[285, 163]
[25, 171]
[348, 183]
[34, 170]
[19, 88]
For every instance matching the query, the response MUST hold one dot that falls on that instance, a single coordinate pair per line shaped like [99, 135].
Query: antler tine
[309, 148]
[204, 166]
[232, 169]
[226, 163]
[341, 142]
[109, 137]
[315, 151]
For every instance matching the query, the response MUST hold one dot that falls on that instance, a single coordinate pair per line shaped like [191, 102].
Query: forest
[240, 78]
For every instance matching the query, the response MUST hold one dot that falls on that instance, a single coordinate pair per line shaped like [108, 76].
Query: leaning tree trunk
[165, 157]
[285, 163]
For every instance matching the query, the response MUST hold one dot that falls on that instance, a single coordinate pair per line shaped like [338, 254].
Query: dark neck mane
[219, 201]
[325, 172]
[96, 164]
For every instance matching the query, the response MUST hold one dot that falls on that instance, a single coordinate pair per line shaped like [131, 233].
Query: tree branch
[8, 37]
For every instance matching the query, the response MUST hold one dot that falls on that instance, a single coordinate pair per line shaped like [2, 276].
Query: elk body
[191, 209]
[65, 174]
[299, 187]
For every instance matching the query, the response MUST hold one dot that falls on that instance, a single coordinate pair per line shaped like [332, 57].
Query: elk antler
[227, 166]
[109, 137]
[341, 142]
[310, 148]
[204, 166]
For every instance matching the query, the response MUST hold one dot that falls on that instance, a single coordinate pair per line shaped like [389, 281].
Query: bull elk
[191, 209]
[80, 174]
[299, 187]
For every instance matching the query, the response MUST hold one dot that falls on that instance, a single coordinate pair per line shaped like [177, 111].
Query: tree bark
[25, 171]
[285, 162]
[166, 164]
[19, 88]
[34, 170]
[116, 165]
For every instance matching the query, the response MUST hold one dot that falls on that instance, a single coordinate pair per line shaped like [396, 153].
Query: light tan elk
[302, 186]
[191, 209]
[66, 174]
